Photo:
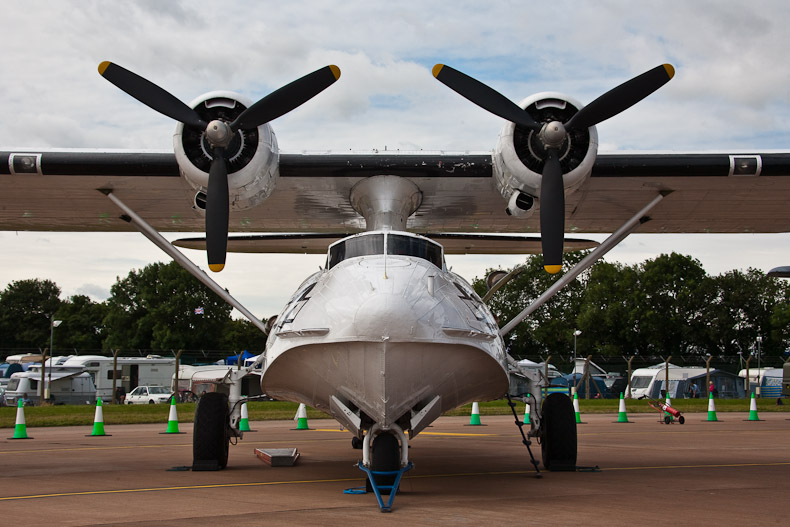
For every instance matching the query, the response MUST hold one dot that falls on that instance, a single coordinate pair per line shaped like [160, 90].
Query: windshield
[156, 390]
[641, 382]
[353, 247]
[13, 384]
[398, 244]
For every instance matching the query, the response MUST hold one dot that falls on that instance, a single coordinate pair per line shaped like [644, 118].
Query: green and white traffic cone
[98, 420]
[667, 414]
[475, 420]
[244, 424]
[526, 414]
[711, 409]
[622, 417]
[753, 409]
[20, 428]
[301, 418]
[172, 418]
[576, 408]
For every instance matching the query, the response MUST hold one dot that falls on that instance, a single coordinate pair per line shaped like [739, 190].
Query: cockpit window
[398, 244]
[353, 247]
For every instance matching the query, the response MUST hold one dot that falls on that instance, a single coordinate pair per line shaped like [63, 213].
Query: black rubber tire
[558, 440]
[211, 439]
[667, 419]
[681, 419]
[151, 401]
[356, 443]
[384, 456]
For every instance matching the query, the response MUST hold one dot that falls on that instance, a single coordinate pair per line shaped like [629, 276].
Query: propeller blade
[150, 94]
[622, 97]
[287, 98]
[552, 213]
[217, 212]
[484, 96]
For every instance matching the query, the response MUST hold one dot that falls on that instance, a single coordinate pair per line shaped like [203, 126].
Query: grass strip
[82, 415]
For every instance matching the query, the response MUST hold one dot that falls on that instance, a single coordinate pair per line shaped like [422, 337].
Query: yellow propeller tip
[436, 69]
[670, 70]
[216, 267]
[335, 71]
[103, 66]
[553, 269]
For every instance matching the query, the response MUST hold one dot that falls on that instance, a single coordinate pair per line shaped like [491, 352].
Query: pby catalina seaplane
[384, 337]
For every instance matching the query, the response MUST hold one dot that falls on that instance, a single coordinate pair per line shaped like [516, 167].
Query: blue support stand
[378, 488]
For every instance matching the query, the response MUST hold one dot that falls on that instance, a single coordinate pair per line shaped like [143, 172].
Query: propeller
[220, 133]
[553, 135]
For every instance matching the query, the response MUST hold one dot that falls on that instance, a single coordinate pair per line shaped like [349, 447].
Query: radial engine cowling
[520, 154]
[252, 156]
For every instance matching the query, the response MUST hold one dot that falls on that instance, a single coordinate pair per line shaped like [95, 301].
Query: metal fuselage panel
[385, 334]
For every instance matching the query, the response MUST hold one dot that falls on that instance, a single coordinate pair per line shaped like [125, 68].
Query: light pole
[576, 333]
[53, 324]
[759, 371]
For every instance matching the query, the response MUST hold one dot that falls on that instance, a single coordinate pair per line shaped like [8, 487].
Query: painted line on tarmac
[341, 480]
[161, 445]
[451, 434]
[727, 465]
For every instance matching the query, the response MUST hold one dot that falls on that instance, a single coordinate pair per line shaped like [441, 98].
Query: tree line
[664, 306]
[159, 308]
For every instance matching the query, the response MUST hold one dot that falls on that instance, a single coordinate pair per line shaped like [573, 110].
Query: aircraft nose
[384, 316]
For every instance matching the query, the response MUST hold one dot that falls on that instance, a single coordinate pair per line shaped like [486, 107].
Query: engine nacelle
[519, 156]
[252, 156]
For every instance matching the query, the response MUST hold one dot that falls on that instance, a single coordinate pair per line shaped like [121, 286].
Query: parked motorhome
[131, 372]
[65, 387]
[651, 382]
[769, 380]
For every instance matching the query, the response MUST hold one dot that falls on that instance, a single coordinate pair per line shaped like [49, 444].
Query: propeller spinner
[220, 134]
[552, 135]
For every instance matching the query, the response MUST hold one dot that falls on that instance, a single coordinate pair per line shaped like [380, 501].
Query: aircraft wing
[723, 192]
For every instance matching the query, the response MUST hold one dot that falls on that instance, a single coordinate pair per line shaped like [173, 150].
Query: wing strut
[598, 253]
[160, 241]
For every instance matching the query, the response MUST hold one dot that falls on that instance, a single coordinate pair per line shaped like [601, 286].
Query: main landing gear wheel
[212, 432]
[558, 440]
[385, 457]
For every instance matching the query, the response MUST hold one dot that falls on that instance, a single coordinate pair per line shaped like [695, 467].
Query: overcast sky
[731, 93]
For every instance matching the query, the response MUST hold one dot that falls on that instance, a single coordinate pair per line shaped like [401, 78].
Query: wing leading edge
[57, 191]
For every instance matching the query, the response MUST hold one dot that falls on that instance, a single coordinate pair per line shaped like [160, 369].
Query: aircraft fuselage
[385, 332]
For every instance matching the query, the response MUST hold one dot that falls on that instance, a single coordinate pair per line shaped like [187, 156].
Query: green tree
[747, 305]
[83, 327]
[243, 335]
[26, 309]
[674, 295]
[154, 308]
[550, 328]
[609, 310]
